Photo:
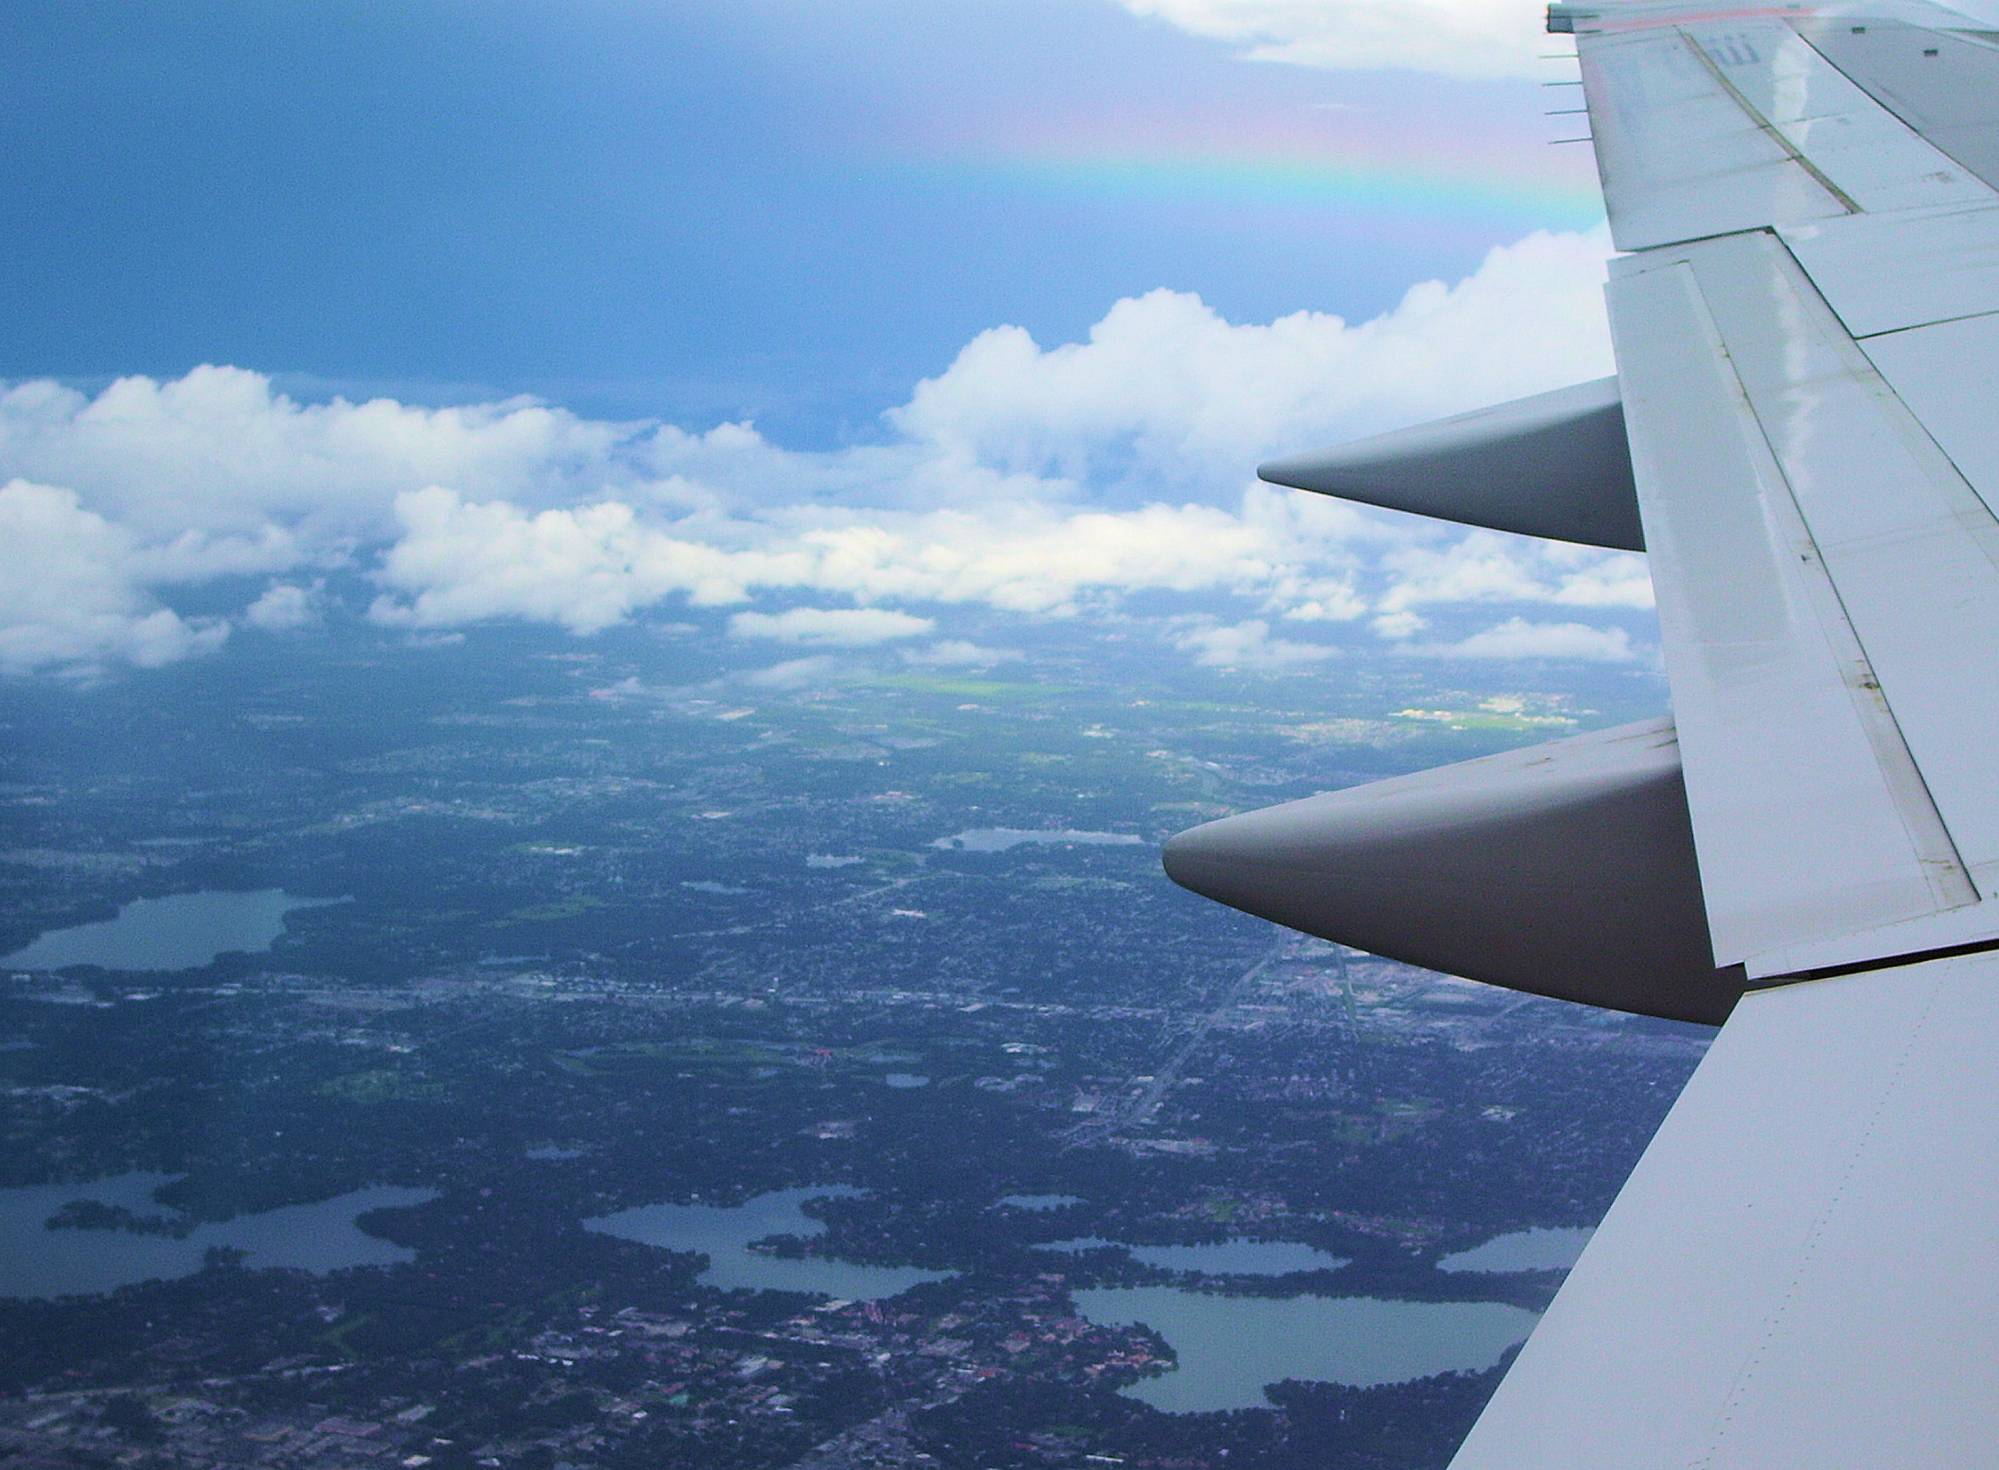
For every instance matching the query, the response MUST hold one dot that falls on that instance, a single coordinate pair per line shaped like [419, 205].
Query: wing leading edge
[1801, 436]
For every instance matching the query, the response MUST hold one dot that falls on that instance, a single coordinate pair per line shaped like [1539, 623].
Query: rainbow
[1357, 166]
[1316, 183]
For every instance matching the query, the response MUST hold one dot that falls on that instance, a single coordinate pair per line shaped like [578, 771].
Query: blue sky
[768, 209]
[812, 327]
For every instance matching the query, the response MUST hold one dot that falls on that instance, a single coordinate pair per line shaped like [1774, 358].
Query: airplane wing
[1803, 435]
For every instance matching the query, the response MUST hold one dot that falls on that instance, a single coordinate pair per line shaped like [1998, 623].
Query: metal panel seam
[1942, 321]
[1776, 134]
[1820, 584]
[1804, 271]
[1926, 840]
[1883, 103]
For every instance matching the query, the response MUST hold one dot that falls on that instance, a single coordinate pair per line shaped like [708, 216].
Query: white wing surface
[1800, 1270]
[1807, 330]
[1806, 323]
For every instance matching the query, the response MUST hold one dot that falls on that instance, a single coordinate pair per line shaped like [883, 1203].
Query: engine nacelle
[1565, 869]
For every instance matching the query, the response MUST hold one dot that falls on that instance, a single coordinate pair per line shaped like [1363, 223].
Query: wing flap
[1944, 374]
[1771, 689]
[1867, 154]
[1821, 505]
[1712, 120]
[1944, 86]
[1680, 158]
[1887, 273]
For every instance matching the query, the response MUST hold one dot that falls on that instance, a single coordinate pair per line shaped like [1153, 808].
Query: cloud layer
[1044, 481]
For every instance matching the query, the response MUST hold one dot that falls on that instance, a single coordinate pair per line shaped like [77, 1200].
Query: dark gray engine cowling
[1565, 869]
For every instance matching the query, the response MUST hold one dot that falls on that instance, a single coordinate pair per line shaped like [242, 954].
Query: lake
[1003, 839]
[1542, 1248]
[183, 932]
[1038, 1201]
[1230, 1347]
[1237, 1257]
[38, 1262]
[725, 1235]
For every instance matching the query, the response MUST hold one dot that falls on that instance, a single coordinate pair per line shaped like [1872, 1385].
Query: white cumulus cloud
[1399, 625]
[1474, 38]
[1319, 600]
[220, 450]
[1620, 579]
[1485, 566]
[1519, 638]
[836, 627]
[800, 673]
[583, 569]
[949, 653]
[1248, 645]
[73, 592]
[284, 606]
[1166, 391]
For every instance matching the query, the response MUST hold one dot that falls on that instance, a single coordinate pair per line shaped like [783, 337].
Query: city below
[549, 1067]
